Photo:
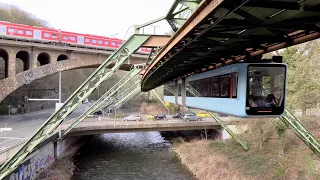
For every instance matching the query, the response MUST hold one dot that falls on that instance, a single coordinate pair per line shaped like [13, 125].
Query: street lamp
[59, 84]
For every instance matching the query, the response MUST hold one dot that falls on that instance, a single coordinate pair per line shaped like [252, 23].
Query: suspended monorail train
[241, 90]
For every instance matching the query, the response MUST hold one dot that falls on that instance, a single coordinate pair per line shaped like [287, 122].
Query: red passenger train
[39, 34]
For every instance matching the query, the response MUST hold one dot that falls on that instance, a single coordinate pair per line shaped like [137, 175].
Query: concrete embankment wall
[45, 155]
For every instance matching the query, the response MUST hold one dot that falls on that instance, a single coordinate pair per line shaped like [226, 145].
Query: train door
[80, 40]
[3, 30]
[37, 34]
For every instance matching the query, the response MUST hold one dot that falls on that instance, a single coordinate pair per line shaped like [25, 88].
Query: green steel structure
[217, 118]
[117, 106]
[302, 132]
[105, 98]
[158, 97]
[96, 78]
[128, 96]
[176, 16]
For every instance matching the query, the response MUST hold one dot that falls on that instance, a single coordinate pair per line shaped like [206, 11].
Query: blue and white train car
[241, 90]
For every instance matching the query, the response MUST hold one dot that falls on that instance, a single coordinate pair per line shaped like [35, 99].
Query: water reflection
[128, 156]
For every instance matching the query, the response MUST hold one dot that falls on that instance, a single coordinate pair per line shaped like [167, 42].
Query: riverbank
[62, 169]
[204, 162]
[211, 159]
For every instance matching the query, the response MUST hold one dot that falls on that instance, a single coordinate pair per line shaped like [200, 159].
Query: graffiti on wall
[30, 168]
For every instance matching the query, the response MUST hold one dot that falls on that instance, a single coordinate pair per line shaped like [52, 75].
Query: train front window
[266, 89]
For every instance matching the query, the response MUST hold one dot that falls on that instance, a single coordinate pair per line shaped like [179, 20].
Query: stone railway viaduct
[40, 60]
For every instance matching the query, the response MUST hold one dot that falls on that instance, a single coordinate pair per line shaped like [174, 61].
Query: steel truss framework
[302, 132]
[121, 97]
[118, 87]
[128, 96]
[176, 16]
[96, 78]
[158, 97]
[216, 117]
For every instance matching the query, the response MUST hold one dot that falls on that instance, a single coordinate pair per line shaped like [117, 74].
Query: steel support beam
[97, 77]
[106, 97]
[128, 96]
[217, 118]
[125, 90]
[301, 131]
[121, 104]
[158, 97]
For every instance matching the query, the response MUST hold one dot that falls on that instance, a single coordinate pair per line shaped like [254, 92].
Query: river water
[128, 156]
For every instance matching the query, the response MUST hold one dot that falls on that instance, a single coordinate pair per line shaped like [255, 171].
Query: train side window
[94, 41]
[206, 87]
[11, 30]
[65, 37]
[46, 35]
[169, 90]
[225, 86]
[113, 43]
[20, 31]
[119, 45]
[189, 85]
[54, 36]
[72, 38]
[28, 32]
[106, 43]
[215, 87]
[99, 42]
[234, 85]
[87, 40]
[179, 89]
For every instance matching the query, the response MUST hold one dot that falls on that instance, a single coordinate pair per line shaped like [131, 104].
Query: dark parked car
[178, 115]
[97, 112]
[159, 117]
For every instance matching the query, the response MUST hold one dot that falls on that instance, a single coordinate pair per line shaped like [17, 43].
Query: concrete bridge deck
[107, 125]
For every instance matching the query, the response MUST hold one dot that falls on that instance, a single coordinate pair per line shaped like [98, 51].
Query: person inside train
[256, 87]
[251, 101]
[273, 100]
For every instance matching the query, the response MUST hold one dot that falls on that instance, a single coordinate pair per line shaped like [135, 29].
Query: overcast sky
[99, 17]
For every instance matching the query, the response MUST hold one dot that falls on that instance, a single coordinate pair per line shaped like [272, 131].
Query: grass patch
[249, 164]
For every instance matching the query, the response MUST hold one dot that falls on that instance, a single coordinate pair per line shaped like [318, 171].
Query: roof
[222, 32]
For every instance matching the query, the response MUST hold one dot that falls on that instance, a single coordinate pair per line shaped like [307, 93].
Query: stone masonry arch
[62, 57]
[4, 60]
[23, 61]
[10, 84]
[43, 59]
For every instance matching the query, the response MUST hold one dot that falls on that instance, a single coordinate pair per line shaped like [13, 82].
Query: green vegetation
[14, 14]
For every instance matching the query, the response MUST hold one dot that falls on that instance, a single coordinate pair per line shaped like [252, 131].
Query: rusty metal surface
[220, 33]
[156, 41]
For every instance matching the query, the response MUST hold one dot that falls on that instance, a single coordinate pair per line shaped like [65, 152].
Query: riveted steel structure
[217, 118]
[96, 78]
[220, 32]
[104, 98]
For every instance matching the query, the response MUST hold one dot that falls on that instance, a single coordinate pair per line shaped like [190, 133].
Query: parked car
[150, 117]
[191, 117]
[97, 112]
[178, 115]
[159, 117]
[203, 114]
[132, 118]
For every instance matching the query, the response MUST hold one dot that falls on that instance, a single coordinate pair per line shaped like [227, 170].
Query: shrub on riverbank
[269, 157]
[204, 162]
[61, 170]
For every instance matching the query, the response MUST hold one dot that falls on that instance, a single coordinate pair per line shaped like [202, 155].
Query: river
[144, 155]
